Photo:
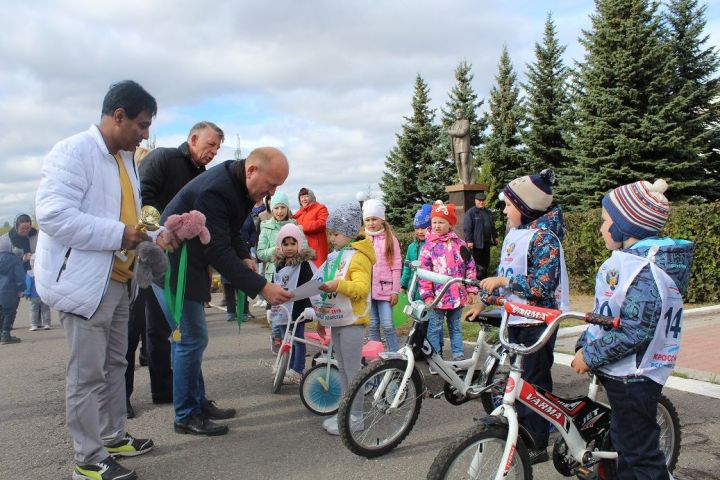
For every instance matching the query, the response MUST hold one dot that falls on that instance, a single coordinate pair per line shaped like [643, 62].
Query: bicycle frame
[554, 410]
[446, 369]
[289, 337]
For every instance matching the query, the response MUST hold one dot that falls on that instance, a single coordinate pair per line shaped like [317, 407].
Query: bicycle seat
[314, 336]
[372, 349]
[490, 317]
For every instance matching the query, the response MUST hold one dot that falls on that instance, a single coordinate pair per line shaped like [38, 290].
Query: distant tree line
[643, 103]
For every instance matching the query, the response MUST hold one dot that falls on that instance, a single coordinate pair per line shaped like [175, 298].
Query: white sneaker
[33, 328]
[330, 421]
[47, 327]
[356, 425]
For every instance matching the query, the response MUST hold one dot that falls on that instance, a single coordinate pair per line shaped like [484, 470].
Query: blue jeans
[634, 430]
[436, 320]
[381, 317]
[188, 384]
[297, 359]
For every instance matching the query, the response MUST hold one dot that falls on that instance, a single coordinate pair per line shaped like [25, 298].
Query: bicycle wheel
[476, 454]
[670, 436]
[498, 375]
[280, 372]
[378, 430]
[319, 397]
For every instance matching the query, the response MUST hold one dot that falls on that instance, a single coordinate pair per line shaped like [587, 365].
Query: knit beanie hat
[373, 207]
[531, 194]
[637, 209]
[279, 198]
[308, 192]
[444, 210]
[346, 219]
[289, 230]
[422, 217]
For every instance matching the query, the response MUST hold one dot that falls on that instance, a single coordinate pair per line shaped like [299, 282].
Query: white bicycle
[497, 447]
[391, 391]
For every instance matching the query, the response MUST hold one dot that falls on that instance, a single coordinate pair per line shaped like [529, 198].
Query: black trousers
[537, 371]
[136, 335]
[158, 349]
[634, 430]
[481, 257]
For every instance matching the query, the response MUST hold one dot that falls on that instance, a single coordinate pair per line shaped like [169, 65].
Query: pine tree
[696, 163]
[415, 150]
[547, 106]
[505, 119]
[625, 128]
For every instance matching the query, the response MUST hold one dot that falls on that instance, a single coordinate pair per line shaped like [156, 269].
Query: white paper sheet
[308, 289]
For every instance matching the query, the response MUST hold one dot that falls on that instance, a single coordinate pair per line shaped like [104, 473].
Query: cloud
[328, 82]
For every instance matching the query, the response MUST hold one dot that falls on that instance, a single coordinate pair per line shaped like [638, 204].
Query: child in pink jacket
[385, 274]
[441, 254]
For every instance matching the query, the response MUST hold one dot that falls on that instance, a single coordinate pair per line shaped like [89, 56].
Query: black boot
[198, 424]
[211, 411]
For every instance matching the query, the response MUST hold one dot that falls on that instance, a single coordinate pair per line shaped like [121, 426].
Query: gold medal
[176, 335]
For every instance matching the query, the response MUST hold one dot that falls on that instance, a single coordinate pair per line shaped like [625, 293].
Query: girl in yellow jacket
[344, 305]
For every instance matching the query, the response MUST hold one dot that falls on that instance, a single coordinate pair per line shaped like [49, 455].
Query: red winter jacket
[312, 218]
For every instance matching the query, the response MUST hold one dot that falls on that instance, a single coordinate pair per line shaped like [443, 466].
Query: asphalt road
[273, 436]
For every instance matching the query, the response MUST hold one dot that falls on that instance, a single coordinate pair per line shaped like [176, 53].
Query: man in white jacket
[87, 206]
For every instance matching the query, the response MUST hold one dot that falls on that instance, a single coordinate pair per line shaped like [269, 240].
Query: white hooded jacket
[78, 207]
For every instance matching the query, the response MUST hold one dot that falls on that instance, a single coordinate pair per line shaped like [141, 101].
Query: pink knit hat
[289, 230]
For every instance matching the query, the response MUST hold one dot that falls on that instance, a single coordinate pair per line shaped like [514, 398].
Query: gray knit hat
[346, 219]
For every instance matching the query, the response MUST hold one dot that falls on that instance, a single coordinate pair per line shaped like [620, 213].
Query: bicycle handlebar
[550, 317]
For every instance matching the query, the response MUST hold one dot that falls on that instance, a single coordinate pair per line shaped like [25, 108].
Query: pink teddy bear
[186, 226]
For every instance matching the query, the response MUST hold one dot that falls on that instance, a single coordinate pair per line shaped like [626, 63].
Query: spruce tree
[696, 163]
[415, 150]
[547, 106]
[502, 148]
[625, 129]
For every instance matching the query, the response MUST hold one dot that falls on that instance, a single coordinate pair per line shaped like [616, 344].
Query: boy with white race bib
[532, 271]
[642, 283]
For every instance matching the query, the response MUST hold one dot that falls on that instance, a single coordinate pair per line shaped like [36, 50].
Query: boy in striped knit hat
[642, 283]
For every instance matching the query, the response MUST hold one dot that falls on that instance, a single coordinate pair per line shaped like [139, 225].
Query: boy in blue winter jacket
[642, 283]
[12, 284]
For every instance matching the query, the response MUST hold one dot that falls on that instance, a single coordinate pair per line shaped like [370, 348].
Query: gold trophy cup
[149, 221]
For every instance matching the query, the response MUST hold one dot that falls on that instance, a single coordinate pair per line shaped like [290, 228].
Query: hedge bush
[585, 250]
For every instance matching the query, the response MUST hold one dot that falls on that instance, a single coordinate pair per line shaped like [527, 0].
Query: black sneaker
[107, 469]
[538, 456]
[130, 447]
[200, 425]
[211, 411]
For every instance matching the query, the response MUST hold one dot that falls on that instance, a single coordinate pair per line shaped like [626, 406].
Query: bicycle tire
[670, 438]
[452, 455]
[313, 394]
[371, 442]
[492, 398]
[280, 372]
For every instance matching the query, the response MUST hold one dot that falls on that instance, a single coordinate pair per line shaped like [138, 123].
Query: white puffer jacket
[78, 210]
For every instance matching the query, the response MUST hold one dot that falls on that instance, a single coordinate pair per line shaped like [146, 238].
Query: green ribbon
[327, 276]
[175, 302]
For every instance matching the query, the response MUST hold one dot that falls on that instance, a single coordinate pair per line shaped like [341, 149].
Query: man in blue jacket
[225, 195]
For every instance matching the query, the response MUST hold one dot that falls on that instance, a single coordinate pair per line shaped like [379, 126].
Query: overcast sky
[328, 82]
